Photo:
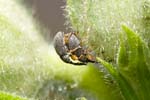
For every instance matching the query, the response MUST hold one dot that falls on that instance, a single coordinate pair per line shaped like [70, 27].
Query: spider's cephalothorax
[68, 47]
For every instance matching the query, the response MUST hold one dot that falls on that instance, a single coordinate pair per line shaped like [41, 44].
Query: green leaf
[109, 67]
[94, 80]
[7, 96]
[133, 64]
[132, 72]
[124, 86]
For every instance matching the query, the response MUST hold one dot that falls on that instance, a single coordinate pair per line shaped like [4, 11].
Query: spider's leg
[75, 33]
[91, 58]
[81, 56]
[73, 50]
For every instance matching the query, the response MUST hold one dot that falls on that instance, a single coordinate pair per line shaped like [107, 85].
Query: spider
[70, 49]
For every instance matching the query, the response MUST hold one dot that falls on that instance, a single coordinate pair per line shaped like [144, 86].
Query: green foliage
[6, 96]
[133, 69]
[99, 21]
[136, 70]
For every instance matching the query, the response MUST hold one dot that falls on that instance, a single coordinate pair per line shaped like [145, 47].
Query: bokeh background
[50, 14]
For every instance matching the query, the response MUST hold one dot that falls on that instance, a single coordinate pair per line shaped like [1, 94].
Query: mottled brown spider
[68, 46]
